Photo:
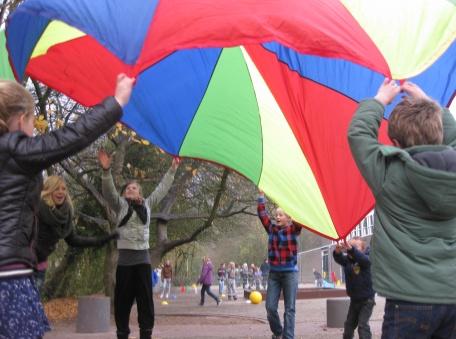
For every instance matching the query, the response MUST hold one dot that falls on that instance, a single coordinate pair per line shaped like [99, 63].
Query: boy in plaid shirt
[283, 275]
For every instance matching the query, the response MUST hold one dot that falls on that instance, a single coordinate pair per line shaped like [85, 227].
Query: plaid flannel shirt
[282, 242]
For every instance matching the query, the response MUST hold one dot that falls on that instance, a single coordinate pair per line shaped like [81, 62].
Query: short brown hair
[14, 99]
[416, 122]
[128, 183]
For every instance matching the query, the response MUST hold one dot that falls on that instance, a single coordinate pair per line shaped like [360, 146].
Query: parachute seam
[259, 114]
[199, 105]
[31, 52]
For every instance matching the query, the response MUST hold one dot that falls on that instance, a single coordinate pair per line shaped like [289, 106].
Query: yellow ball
[255, 297]
[164, 302]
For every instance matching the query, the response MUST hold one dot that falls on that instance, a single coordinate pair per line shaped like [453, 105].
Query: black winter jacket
[22, 159]
[357, 269]
[52, 228]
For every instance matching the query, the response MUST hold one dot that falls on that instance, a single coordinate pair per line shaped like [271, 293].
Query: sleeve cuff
[106, 173]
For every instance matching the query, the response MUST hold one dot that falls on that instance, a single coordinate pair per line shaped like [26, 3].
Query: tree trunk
[156, 255]
[109, 273]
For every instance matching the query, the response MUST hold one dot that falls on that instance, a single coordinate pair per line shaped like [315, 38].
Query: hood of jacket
[431, 171]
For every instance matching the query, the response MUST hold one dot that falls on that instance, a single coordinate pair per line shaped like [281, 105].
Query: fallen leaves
[61, 309]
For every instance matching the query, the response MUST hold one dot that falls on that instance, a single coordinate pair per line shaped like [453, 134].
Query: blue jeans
[221, 286]
[288, 283]
[418, 321]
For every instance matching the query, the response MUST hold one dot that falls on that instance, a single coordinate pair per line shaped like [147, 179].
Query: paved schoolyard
[183, 318]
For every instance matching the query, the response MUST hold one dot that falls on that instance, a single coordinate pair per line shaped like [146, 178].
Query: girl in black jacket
[55, 222]
[22, 159]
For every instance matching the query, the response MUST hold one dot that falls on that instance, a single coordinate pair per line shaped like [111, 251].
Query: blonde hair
[416, 122]
[14, 100]
[360, 240]
[51, 184]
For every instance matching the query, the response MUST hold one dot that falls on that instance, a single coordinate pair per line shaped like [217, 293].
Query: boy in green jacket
[414, 183]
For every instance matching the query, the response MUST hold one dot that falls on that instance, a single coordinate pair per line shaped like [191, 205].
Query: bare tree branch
[192, 216]
[169, 245]
[2, 10]
[101, 224]
[89, 187]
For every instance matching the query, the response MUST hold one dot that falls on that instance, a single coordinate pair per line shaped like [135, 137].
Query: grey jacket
[134, 235]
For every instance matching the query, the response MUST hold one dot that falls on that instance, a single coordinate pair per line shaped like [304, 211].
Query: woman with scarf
[133, 274]
[55, 222]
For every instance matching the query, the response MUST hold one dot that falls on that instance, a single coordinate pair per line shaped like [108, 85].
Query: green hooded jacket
[414, 242]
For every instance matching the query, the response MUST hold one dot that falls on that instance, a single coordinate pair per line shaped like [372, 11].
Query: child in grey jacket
[133, 274]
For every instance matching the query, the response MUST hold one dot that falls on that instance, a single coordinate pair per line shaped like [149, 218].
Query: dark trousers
[207, 289]
[358, 315]
[134, 283]
[418, 321]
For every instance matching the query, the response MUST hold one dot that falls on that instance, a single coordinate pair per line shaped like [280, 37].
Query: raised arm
[361, 258]
[263, 214]
[296, 229]
[42, 151]
[163, 187]
[339, 257]
[109, 191]
[75, 240]
[363, 135]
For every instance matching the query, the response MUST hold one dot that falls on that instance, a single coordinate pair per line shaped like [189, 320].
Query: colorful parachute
[266, 88]
[5, 68]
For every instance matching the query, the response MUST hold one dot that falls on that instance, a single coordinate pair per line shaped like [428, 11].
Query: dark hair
[416, 122]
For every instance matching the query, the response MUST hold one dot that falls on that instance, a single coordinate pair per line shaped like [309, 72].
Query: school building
[321, 257]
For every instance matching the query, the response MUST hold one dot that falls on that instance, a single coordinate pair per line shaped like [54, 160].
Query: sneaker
[201, 304]
[274, 336]
[229, 298]
[219, 302]
[234, 298]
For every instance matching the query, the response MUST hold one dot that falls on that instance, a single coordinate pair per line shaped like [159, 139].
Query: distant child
[231, 280]
[238, 275]
[167, 276]
[155, 278]
[413, 252]
[23, 158]
[205, 279]
[283, 275]
[257, 278]
[358, 282]
[245, 275]
[318, 278]
[264, 268]
[251, 274]
[221, 275]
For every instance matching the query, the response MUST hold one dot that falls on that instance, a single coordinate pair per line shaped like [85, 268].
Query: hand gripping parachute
[266, 88]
